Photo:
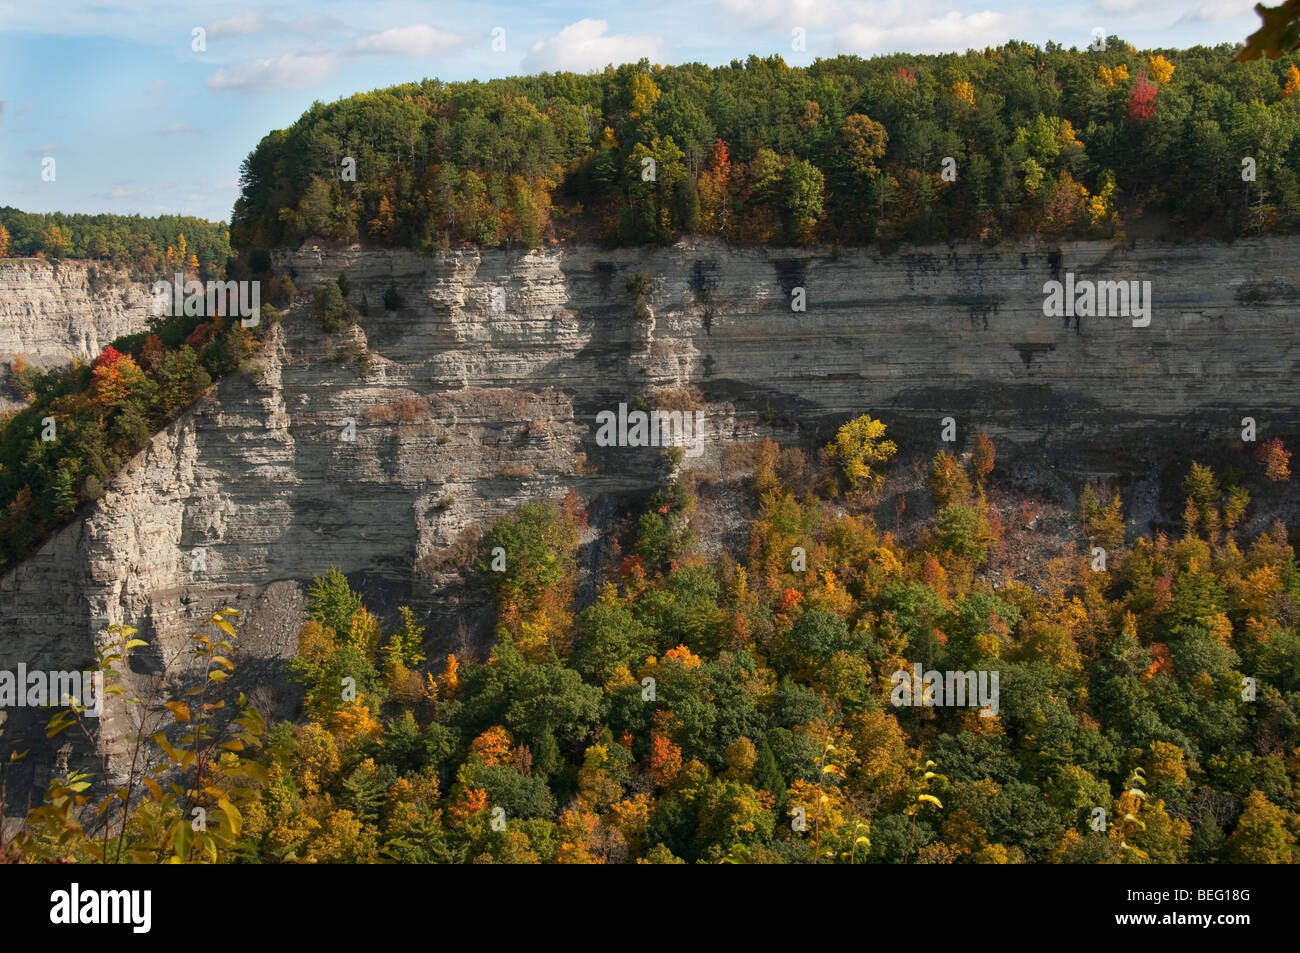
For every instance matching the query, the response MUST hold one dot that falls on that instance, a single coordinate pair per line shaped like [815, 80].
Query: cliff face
[467, 401]
[53, 312]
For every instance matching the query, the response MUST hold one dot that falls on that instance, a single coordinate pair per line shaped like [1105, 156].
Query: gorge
[460, 411]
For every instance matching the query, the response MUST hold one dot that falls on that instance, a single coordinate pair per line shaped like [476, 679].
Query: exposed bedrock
[467, 401]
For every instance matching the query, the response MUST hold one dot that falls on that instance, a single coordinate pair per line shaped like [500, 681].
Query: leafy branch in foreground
[190, 775]
[1279, 33]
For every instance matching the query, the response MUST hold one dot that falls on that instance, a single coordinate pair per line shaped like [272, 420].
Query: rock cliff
[53, 312]
[385, 450]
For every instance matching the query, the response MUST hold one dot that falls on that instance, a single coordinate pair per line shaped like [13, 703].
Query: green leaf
[1280, 32]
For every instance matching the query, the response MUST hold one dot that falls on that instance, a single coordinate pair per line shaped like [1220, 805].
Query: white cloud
[48, 148]
[417, 40]
[815, 13]
[1207, 11]
[314, 24]
[249, 24]
[773, 11]
[950, 32]
[583, 46]
[176, 128]
[165, 22]
[241, 24]
[1212, 10]
[291, 71]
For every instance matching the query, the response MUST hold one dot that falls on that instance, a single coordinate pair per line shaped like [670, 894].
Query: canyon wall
[384, 450]
[54, 312]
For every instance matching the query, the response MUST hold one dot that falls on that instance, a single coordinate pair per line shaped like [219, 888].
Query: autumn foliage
[1276, 459]
[1142, 98]
[742, 708]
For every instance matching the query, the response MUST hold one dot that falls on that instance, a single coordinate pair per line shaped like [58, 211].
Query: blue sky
[137, 120]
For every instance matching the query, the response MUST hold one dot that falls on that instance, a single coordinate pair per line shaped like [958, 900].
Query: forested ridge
[1107, 144]
[739, 707]
[147, 247]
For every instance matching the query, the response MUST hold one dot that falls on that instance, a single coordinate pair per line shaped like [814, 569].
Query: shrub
[333, 310]
[949, 483]
[392, 300]
[963, 531]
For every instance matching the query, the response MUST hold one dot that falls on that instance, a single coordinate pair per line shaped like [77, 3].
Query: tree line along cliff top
[149, 247]
[989, 144]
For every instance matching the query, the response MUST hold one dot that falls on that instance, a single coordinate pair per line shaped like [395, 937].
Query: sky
[149, 106]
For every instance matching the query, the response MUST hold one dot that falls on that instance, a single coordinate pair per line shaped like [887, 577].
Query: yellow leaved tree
[1113, 76]
[1160, 69]
[1292, 82]
[858, 448]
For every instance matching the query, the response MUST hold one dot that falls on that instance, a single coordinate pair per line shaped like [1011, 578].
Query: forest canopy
[737, 707]
[148, 246]
[1103, 143]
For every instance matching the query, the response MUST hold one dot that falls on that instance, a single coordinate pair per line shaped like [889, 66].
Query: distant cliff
[468, 400]
[52, 312]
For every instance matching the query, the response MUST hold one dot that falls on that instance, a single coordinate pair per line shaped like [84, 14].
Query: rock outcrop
[383, 451]
[54, 312]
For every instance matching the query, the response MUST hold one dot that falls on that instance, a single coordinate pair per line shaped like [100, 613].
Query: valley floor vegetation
[737, 708]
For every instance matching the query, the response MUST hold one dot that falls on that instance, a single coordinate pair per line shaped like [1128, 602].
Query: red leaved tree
[1142, 98]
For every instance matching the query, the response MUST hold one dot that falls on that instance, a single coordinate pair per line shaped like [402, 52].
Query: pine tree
[65, 492]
